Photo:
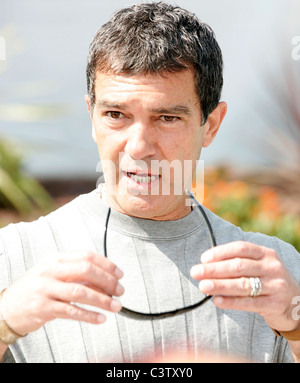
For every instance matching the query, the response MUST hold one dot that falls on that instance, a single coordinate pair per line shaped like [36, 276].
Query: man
[154, 83]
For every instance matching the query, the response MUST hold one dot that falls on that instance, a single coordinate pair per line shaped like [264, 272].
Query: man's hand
[225, 272]
[49, 291]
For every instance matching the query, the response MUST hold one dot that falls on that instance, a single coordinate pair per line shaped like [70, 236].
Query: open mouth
[142, 178]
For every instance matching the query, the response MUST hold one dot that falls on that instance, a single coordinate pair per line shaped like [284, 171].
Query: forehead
[169, 86]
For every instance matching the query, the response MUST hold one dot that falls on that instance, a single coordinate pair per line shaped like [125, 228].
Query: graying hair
[154, 38]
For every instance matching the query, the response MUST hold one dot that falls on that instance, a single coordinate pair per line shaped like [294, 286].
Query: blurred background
[47, 155]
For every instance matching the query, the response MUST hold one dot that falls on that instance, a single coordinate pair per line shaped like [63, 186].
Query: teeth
[142, 179]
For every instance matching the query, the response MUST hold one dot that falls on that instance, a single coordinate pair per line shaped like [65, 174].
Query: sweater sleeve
[5, 278]
[11, 255]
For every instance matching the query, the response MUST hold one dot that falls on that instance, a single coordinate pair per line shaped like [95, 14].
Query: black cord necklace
[146, 316]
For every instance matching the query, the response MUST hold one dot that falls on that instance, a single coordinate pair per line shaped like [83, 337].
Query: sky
[46, 48]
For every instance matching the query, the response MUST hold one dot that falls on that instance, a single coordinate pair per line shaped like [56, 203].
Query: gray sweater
[156, 258]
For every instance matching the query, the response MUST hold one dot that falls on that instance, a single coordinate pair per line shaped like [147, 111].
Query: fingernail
[101, 318]
[118, 273]
[115, 306]
[206, 286]
[196, 271]
[206, 257]
[119, 290]
[218, 301]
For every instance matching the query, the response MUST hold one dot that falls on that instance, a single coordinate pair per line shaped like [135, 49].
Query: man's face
[142, 124]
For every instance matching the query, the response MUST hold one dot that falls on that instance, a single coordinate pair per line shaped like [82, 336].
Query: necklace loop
[151, 316]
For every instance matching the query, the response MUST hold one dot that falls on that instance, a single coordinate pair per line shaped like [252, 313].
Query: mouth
[142, 178]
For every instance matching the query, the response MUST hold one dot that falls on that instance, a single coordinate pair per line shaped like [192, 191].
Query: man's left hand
[225, 272]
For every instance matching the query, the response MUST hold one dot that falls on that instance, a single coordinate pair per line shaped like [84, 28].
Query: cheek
[108, 143]
[198, 142]
[188, 147]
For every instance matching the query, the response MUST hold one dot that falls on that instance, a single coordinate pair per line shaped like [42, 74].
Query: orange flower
[239, 189]
[268, 202]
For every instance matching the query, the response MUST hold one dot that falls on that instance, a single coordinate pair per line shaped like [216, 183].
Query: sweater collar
[139, 227]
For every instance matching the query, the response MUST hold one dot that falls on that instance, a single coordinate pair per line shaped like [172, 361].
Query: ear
[213, 123]
[87, 100]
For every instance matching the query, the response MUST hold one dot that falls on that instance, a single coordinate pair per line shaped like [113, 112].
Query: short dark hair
[151, 38]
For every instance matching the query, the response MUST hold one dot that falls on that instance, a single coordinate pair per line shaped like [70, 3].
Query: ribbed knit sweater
[156, 258]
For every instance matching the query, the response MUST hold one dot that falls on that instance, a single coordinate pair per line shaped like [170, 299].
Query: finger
[83, 272]
[257, 304]
[69, 311]
[232, 268]
[94, 258]
[78, 293]
[240, 287]
[233, 249]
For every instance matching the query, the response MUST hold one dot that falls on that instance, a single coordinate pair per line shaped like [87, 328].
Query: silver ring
[255, 287]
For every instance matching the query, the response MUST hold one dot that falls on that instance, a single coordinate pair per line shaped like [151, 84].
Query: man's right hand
[51, 290]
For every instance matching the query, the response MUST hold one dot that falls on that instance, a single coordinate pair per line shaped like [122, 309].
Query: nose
[140, 141]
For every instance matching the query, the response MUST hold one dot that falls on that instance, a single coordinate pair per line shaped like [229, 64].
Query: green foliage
[17, 190]
[253, 208]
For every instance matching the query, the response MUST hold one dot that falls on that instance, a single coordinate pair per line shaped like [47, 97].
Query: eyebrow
[108, 104]
[172, 109]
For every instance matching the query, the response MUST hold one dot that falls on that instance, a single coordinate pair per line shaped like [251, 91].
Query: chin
[152, 207]
[140, 206]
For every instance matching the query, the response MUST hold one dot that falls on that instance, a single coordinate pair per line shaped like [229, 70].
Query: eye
[169, 118]
[114, 115]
